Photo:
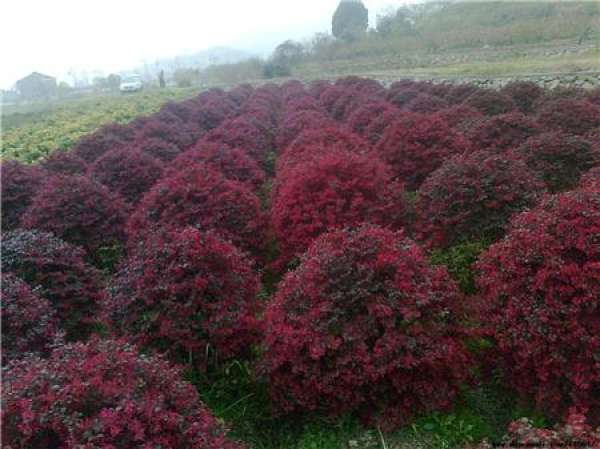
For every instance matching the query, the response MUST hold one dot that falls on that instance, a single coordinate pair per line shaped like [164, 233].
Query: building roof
[38, 75]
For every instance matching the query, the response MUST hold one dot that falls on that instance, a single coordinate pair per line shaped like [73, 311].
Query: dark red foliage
[173, 130]
[524, 94]
[591, 179]
[64, 162]
[460, 92]
[473, 196]
[593, 96]
[202, 197]
[461, 117]
[158, 148]
[379, 124]
[400, 97]
[570, 115]
[234, 163]
[29, 323]
[79, 211]
[425, 104]
[102, 394]
[183, 292]
[334, 190]
[366, 86]
[241, 133]
[346, 104]
[302, 102]
[108, 137]
[58, 269]
[127, 172]
[363, 116]
[295, 123]
[20, 184]
[490, 102]
[541, 291]
[560, 159]
[317, 87]
[416, 145]
[502, 132]
[366, 325]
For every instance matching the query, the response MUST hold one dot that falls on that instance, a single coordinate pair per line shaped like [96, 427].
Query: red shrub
[295, 123]
[559, 159]
[591, 179]
[461, 117]
[347, 103]
[425, 104]
[202, 197]
[241, 133]
[490, 102]
[28, 321]
[108, 137]
[362, 117]
[127, 172]
[502, 132]
[460, 92]
[364, 324]
[570, 115]
[234, 163]
[541, 288]
[379, 124]
[317, 87]
[102, 394]
[331, 191]
[474, 196]
[303, 102]
[524, 94]
[593, 96]
[158, 148]
[170, 128]
[20, 184]
[79, 211]
[58, 269]
[366, 86]
[185, 291]
[400, 97]
[416, 145]
[65, 163]
[330, 95]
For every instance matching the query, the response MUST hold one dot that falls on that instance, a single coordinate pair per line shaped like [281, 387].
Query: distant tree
[350, 20]
[288, 52]
[113, 80]
[186, 77]
[395, 22]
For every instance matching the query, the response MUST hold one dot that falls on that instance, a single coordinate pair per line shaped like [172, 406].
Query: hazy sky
[53, 36]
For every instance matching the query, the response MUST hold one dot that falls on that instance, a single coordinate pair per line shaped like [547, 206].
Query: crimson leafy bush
[490, 102]
[591, 179]
[541, 290]
[524, 94]
[103, 394]
[184, 291]
[241, 133]
[334, 190]
[70, 285]
[502, 132]
[28, 321]
[379, 124]
[20, 184]
[364, 324]
[204, 198]
[458, 93]
[78, 210]
[297, 122]
[473, 196]
[363, 116]
[416, 145]
[170, 128]
[570, 115]
[461, 117]
[108, 137]
[64, 162]
[127, 172]
[158, 148]
[234, 163]
[560, 159]
[426, 104]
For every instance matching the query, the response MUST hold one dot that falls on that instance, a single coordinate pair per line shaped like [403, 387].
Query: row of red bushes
[364, 323]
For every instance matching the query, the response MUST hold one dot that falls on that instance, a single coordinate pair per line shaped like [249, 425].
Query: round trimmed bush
[242, 133]
[297, 122]
[158, 148]
[365, 325]
[490, 102]
[184, 291]
[473, 197]
[541, 290]
[234, 163]
[426, 104]
[362, 117]
[570, 115]
[591, 179]
[560, 159]
[104, 394]
[334, 190]
[503, 132]
[59, 271]
[20, 184]
[524, 94]
[28, 321]
[108, 137]
[79, 211]
[461, 117]
[379, 124]
[65, 163]
[170, 128]
[201, 197]
[127, 172]
[416, 145]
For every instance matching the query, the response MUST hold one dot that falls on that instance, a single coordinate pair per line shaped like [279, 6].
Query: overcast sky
[54, 36]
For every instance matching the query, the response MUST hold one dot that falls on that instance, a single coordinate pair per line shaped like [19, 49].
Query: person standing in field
[161, 79]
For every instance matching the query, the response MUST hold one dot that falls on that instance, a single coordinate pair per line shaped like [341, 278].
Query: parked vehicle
[131, 83]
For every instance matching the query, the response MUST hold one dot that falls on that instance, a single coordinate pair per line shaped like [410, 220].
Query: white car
[131, 83]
